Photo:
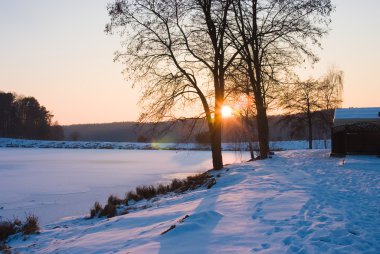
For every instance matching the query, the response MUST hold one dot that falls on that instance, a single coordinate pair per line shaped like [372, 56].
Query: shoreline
[274, 145]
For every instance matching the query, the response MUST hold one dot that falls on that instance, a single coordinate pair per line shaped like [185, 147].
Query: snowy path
[297, 202]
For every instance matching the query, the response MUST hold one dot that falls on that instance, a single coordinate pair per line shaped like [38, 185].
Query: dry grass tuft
[162, 189]
[108, 211]
[149, 191]
[175, 185]
[8, 228]
[31, 225]
[131, 195]
[146, 192]
[96, 210]
[113, 200]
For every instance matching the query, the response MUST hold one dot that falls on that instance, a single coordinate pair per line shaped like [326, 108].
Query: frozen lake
[55, 183]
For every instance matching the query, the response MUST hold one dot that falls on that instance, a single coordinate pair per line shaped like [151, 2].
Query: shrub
[162, 189]
[31, 225]
[175, 184]
[113, 200]
[131, 195]
[7, 228]
[150, 191]
[17, 222]
[109, 211]
[146, 192]
[193, 182]
[96, 210]
[211, 183]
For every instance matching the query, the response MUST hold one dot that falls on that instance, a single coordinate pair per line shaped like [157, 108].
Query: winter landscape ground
[297, 202]
[55, 183]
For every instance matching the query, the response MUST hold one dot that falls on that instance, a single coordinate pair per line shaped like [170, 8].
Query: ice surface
[53, 183]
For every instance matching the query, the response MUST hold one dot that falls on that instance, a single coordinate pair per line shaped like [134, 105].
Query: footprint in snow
[274, 230]
[264, 246]
[258, 213]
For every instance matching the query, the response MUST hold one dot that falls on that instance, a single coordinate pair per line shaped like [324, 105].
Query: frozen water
[53, 183]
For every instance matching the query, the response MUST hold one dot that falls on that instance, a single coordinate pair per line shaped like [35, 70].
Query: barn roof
[344, 116]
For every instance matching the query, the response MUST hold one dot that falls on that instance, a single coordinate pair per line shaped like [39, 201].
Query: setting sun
[226, 111]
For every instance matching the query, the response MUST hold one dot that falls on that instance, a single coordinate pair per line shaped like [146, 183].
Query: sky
[57, 51]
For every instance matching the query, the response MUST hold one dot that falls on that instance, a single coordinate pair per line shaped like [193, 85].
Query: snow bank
[297, 202]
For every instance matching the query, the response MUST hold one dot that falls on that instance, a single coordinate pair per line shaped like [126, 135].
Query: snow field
[297, 202]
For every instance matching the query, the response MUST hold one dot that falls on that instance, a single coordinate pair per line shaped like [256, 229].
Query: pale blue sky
[57, 51]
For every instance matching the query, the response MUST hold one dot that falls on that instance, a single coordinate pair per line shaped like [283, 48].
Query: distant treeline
[24, 117]
[289, 127]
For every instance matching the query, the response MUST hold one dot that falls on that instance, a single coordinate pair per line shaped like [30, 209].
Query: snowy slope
[297, 202]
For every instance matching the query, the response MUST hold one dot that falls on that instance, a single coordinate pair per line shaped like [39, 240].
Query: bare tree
[180, 51]
[331, 92]
[302, 100]
[177, 50]
[275, 36]
[331, 89]
[313, 101]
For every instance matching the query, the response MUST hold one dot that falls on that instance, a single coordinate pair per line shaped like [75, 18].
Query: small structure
[356, 131]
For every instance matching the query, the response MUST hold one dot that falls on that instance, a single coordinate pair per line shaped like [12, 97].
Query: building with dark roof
[356, 131]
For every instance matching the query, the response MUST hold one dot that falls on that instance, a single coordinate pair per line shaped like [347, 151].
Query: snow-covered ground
[53, 183]
[297, 202]
[275, 145]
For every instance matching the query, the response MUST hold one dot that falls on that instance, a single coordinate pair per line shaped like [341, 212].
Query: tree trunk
[262, 119]
[262, 129]
[310, 126]
[247, 133]
[216, 149]
[215, 130]
[252, 153]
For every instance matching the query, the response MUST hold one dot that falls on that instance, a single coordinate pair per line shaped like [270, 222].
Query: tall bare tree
[331, 93]
[313, 101]
[331, 89]
[275, 36]
[177, 50]
[302, 100]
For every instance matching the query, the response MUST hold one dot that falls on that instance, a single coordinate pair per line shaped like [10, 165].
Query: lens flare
[226, 111]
